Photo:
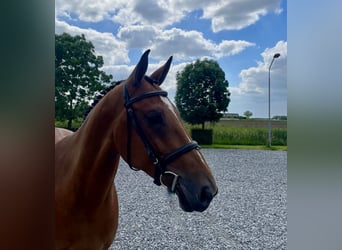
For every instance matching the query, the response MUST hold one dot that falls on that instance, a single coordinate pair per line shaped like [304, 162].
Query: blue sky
[242, 35]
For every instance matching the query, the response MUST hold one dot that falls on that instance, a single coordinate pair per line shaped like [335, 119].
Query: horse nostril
[206, 196]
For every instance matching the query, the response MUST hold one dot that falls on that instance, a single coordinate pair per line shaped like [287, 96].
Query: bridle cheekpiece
[160, 162]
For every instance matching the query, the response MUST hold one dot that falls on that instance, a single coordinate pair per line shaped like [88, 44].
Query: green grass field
[251, 133]
[248, 136]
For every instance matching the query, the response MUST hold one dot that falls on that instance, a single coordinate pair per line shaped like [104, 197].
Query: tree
[248, 114]
[78, 78]
[202, 92]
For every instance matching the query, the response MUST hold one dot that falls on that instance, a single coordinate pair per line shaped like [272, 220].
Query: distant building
[231, 115]
[280, 117]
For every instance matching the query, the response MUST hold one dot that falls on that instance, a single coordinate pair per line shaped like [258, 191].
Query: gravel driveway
[249, 211]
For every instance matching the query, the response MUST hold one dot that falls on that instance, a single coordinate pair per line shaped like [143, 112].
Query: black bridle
[160, 162]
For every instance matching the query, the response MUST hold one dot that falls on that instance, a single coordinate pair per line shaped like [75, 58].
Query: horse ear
[141, 68]
[160, 74]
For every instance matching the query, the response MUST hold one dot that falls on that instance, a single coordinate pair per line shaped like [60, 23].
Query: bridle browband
[160, 162]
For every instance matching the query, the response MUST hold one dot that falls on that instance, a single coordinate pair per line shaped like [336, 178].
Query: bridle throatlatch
[160, 162]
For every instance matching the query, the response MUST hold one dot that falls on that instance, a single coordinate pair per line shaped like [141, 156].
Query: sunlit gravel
[249, 211]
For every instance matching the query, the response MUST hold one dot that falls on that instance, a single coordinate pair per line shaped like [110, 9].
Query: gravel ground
[249, 211]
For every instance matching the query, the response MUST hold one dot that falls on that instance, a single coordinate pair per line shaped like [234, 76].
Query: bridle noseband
[160, 162]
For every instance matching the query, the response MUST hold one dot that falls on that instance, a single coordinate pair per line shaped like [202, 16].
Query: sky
[241, 35]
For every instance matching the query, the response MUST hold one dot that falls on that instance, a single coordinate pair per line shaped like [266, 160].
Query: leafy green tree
[248, 114]
[202, 92]
[78, 78]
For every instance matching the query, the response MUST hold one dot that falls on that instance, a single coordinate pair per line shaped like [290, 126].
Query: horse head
[157, 142]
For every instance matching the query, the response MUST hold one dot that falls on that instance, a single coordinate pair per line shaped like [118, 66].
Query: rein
[160, 162]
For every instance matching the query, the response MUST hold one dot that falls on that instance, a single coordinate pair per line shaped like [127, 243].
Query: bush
[76, 123]
[202, 136]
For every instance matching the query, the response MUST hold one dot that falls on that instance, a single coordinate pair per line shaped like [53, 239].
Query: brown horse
[137, 121]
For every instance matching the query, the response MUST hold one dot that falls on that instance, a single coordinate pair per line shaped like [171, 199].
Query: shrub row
[202, 136]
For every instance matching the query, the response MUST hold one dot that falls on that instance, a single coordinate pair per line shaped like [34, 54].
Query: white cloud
[238, 14]
[224, 14]
[155, 12]
[119, 72]
[184, 45]
[149, 12]
[138, 36]
[252, 92]
[89, 11]
[106, 45]
[159, 13]
[232, 47]
[253, 79]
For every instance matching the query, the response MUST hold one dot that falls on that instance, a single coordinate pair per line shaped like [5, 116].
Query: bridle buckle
[174, 182]
[155, 162]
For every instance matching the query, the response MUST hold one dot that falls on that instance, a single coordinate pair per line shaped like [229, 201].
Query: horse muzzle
[194, 197]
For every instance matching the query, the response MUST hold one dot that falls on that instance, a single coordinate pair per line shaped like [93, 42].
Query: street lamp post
[269, 100]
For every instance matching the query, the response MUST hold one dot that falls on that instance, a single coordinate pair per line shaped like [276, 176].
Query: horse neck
[98, 157]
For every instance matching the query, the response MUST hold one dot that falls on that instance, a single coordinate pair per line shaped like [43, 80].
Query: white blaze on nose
[169, 105]
[172, 108]
[201, 157]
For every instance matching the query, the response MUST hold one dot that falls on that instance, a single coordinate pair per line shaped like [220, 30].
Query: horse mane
[100, 96]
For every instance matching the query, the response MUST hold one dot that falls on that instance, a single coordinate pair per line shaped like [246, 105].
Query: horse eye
[154, 118]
